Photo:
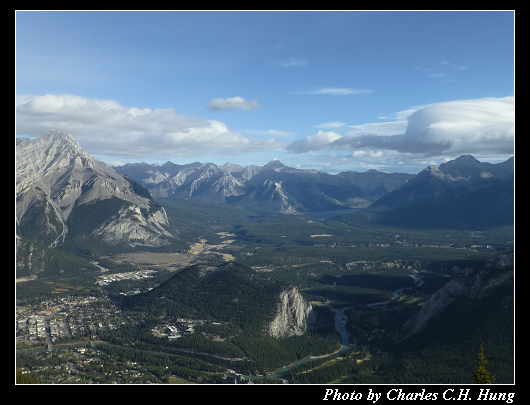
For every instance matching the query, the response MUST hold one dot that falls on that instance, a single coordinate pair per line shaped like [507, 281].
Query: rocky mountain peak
[59, 136]
[232, 168]
[466, 159]
[274, 164]
[55, 142]
[54, 175]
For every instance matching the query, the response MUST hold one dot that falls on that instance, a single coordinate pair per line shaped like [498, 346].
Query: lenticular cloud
[483, 125]
[465, 126]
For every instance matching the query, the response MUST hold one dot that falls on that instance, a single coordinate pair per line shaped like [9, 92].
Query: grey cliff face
[292, 316]
[54, 175]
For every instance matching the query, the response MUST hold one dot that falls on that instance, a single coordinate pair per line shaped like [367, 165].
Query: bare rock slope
[293, 315]
[57, 181]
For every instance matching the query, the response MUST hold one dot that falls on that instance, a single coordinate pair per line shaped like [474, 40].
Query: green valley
[382, 276]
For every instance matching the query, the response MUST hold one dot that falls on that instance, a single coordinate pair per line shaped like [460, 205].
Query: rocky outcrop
[29, 259]
[132, 228]
[293, 315]
[475, 284]
[55, 177]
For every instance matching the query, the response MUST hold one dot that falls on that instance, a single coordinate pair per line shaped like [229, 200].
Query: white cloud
[339, 91]
[331, 124]
[321, 141]
[373, 154]
[483, 125]
[108, 128]
[378, 128]
[217, 104]
[462, 126]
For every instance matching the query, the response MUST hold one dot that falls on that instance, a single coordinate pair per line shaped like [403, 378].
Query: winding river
[340, 327]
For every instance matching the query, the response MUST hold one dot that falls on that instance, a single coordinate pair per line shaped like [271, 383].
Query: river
[340, 327]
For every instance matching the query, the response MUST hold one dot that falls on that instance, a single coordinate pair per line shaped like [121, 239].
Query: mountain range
[273, 187]
[462, 194]
[65, 196]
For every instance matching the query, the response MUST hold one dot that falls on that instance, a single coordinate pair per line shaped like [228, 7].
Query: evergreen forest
[380, 276]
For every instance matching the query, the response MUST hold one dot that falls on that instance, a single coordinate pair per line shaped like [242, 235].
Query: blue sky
[333, 91]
